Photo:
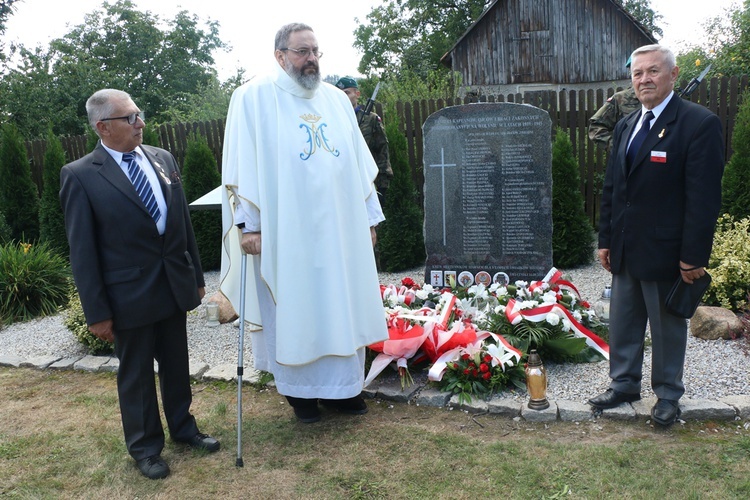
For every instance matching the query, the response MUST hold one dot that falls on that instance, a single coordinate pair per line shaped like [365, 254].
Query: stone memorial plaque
[487, 194]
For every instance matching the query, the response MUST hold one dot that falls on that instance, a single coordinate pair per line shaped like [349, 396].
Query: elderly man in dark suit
[660, 202]
[137, 270]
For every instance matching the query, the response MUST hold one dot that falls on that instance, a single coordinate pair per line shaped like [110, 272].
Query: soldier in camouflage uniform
[372, 129]
[620, 105]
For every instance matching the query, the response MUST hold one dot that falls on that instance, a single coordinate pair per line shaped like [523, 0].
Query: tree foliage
[572, 234]
[727, 46]
[201, 175]
[160, 63]
[19, 198]
[736, 180]
[51, 219]
[400, 237]
[412, 34]
[641, 10]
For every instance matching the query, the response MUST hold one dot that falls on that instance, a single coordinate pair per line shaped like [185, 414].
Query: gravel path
[713, 369]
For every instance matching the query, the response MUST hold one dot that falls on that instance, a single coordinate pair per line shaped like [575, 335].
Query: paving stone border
[421, 394]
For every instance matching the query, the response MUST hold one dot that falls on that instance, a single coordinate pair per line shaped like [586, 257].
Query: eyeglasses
[305, 53]
[131, 118]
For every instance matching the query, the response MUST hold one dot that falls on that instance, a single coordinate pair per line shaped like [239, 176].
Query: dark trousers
[166, 342]
[633, 304]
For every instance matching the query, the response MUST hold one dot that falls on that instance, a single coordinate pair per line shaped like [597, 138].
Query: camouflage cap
[346, 82]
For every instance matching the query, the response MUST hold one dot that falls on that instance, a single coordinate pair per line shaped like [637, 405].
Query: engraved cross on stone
[442, 166]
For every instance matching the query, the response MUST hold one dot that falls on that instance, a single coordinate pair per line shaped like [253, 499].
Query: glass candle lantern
[601, 306]
[536, 382]
[212, 314]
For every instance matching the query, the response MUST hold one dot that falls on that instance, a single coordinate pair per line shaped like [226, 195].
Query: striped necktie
[141, 185]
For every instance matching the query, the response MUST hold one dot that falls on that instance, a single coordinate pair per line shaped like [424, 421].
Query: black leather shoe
[203, 442]
[153, 467]
[666, 411]
[306, 410]
[612, 398]
[352, 406]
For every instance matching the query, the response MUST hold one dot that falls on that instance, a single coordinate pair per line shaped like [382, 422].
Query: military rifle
[695, 82]
[370, 103]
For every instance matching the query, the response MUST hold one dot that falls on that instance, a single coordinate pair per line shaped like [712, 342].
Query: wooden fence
[569, 110]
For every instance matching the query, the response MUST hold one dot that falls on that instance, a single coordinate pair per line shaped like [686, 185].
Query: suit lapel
[110, 170]
[162, 173]
[631, 121]
[657, 132]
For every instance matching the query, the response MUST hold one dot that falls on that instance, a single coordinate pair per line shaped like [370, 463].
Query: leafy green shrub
[51, 220]
[729, 264]
[19, 197]
[201, 175]
[34, 281]
[5, 233]
[400, 237]
[572, 234]
[735, 196]
[75, 321]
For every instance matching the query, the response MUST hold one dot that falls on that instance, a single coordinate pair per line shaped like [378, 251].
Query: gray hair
[102, 104]
[282, 36]
[667, 54]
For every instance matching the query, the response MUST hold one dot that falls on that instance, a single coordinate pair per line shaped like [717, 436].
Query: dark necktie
[141, 185]
[637, 141]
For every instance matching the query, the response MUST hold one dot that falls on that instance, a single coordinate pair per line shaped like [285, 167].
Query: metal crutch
[240, 352]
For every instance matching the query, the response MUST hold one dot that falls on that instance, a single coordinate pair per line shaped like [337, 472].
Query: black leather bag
[683, 299]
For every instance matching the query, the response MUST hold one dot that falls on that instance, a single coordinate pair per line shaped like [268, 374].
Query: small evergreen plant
[400, 237]
[736, 180]
[572, 234]
[19, 198]
[201, 175]
[51, 220]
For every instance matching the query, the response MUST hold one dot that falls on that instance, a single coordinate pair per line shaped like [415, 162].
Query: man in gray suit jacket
[136, 266]
[660, 202]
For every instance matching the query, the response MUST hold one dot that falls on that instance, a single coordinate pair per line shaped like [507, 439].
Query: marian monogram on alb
[316, 137]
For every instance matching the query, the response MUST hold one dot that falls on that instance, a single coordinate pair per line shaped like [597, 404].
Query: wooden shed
[520, 45]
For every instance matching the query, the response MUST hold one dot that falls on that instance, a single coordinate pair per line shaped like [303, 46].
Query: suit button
[627, 204]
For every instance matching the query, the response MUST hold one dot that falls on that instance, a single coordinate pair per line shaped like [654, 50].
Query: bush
[34, 281]
[19, 198]
[201, 175]
[75, 321]
[400, 237]
[51, 220]
[736, 181]
[729, 264]
[572, 234]
[4, 230]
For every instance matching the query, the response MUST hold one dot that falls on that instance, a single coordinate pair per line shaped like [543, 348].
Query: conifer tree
[400, 237]
[736, 181]
[19, 198]
[201, 175]
[572, 234]
[51, 220]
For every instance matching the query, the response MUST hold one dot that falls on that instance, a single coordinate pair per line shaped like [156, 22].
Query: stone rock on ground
[227, 313]
[714, 323]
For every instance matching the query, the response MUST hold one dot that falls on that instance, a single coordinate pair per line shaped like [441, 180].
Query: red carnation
[484, 368]
[487, 376]
[408, 282]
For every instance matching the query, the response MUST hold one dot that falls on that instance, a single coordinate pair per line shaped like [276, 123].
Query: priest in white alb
[300, 200]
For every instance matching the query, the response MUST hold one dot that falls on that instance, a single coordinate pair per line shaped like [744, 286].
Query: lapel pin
[661, 134]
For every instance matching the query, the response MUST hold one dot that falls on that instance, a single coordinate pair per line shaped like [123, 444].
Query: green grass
[61, 437]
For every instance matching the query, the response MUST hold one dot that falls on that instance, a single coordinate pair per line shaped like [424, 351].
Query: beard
[309, 81]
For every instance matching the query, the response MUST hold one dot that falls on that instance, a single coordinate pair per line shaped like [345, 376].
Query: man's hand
[604, 259]
[691, 273]
[251, 243]
[103, 330]
[373, 236]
